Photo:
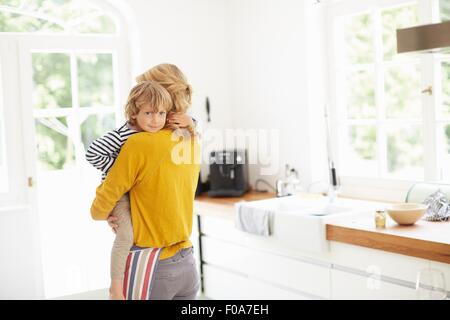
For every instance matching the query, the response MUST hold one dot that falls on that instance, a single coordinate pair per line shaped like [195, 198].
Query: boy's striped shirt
[102, 152]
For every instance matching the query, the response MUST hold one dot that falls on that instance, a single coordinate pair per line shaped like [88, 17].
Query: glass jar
[380, 219]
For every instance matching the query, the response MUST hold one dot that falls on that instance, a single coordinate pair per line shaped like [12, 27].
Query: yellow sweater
[161, 175]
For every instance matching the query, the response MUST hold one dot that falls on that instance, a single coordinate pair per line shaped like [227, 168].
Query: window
[54, 16]
[65, 72]
[444, 102]
[443, 116]
[73, 99]
[444, 8]
[391, 115]
[3, 167]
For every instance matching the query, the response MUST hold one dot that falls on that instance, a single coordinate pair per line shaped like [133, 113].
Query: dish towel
[253, 219]
[139, 272]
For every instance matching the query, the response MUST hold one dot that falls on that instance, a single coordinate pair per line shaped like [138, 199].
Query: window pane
[361, 95]
[446, 153]
[402, 91]
[55, 150]
[99, 24]
[446, 89]
[393, 19]
[358, 39]
[13, 22]
[95, 126]
[51, 76]
[445, 10]
[360, 156]
[95, 80]
[84, 17]
[10, 3]
[405, 152]
[76, 16]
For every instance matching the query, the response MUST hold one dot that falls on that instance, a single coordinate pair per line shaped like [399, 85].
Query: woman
[162, 190]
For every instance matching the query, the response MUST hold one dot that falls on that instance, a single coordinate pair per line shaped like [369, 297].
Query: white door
[72, 92]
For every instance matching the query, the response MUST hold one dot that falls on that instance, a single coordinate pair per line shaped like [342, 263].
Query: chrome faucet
[288, 185]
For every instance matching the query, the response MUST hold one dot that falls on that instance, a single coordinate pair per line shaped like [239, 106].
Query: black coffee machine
[228, 173]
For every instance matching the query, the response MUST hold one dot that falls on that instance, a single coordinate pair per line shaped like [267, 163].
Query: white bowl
[406, 213]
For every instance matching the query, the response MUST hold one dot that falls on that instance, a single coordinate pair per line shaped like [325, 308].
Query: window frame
[382, 187]
[19, 124]
[3, 153]
[15, 197]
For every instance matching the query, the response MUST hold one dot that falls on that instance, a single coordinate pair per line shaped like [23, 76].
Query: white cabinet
[265, 268]
[346, 285]
[195, 241]
[283, 272]
[238, 265]
[376, 262]
[224, 229]
[445, 268]
[226, 285]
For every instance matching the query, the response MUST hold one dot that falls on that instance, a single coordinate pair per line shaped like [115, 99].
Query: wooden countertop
[224, 206]
[427, 240]
[424, 239]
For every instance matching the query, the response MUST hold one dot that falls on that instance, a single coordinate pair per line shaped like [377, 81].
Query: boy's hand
[112, 223]
[180, 119]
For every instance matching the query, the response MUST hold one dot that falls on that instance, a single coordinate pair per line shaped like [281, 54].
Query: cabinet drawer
[377, 261]
[312, 279]
[224, 229]
[445, 268]
[351, 286]
[224, 285]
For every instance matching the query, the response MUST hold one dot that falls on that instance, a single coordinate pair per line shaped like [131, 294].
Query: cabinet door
[284, 272]
[225, 285]
[195, 241]
[445, 268]
[351, 286]
[377, 262]
[225, 229]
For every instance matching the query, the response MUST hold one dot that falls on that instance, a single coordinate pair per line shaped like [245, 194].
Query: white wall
[193, 34]
[20, 270]
[20, 258]
[277, 81]
[259, 61]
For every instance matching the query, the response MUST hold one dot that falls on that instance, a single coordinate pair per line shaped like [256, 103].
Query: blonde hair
[174, 81]
[147, 92]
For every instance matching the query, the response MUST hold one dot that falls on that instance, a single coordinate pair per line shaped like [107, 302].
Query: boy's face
[148, 120]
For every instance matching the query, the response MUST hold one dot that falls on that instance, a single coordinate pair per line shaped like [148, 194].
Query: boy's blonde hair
[174, 81]
[149, 92]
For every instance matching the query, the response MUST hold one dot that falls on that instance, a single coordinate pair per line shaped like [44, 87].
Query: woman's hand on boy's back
[180, 119]
[112, 223]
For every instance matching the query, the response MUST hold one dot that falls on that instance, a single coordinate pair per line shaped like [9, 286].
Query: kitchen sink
[314, 208]
[300, 222]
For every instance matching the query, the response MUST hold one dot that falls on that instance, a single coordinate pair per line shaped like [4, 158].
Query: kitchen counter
[428, 240]
[424, 239]
[224, 206]
[356, 262]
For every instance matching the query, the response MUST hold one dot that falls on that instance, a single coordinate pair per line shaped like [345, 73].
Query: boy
[146, 110]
